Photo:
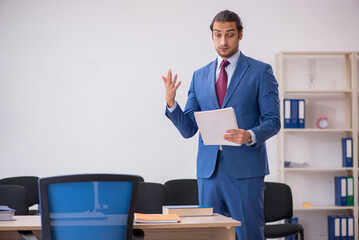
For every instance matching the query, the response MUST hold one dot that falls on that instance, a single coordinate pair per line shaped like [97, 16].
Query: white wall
[80, 80]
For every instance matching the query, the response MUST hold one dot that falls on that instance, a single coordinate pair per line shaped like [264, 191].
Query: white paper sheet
[214, 124]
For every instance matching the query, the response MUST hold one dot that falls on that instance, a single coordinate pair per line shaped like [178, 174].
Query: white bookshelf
[328, 81]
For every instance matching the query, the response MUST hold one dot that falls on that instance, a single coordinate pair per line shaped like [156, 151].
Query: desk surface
[34, 223]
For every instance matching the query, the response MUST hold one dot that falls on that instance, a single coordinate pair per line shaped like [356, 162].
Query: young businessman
[231, 178]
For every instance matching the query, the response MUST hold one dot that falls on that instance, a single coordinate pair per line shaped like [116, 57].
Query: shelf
[327, 130]
[318, 169]
[315, 53]
[328, 82]
[322, 208]
[319, 92]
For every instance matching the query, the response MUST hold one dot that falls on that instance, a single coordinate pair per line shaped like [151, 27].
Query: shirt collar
[232, 60]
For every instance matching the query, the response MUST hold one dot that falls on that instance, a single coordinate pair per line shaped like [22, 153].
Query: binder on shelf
[347, 151]
[301, 113]
[294, 113]
[290, 113]
[333, 228]
[343, 228]
[295, 221]
[287, 113]
[350, 227]
[340, 191]
[350, 191]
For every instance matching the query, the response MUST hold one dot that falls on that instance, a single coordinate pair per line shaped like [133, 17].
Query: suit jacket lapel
[237, 76]
[211, 82]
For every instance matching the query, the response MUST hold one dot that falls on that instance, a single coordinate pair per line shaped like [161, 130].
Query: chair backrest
[278, 202]
[182, 192]
[151, 197]
[88, 206]
[15, 197]
[28, 182]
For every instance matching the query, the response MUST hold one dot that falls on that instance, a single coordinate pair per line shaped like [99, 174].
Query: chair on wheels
[31, 185]
[88, 206]
[151, 197]
[278, 205]
[182, 192]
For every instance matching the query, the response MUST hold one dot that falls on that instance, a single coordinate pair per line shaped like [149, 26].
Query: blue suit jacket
[253, 93]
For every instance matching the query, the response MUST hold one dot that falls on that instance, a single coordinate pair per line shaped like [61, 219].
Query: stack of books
[6, 213]
[188, 210]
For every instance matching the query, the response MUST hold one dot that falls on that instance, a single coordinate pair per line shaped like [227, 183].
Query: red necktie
[221, 85]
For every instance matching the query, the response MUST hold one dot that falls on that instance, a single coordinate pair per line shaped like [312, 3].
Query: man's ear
[241, 35]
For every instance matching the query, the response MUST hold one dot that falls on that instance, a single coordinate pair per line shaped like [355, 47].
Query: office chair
[278, 205]
[14, 197]
[31, 185]
[182, 192]
[88, 206]
[151, 197]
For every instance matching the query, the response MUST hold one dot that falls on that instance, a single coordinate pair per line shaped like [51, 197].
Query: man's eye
[230, 35]
[218, 35]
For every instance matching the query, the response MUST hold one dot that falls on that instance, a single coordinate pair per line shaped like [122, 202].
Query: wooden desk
[215, 227]
[8, 229]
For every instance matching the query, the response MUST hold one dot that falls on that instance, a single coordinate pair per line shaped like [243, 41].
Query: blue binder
[290, 113]
[350, 226]
[347, 152]
[301, 113]
[287, 113]
[294, 113]
[340, 191]
[295, 221]
[334, 228]
[343, 228]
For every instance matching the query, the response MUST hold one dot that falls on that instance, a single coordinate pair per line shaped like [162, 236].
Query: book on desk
[6, 213]
[188, 210]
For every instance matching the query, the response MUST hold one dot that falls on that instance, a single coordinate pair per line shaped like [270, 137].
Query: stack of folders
[188, 210]
[6, 213]
[294, 113]
[156, 218]
[344, 191]
[294, 220]
[340, 227]
[347, 152]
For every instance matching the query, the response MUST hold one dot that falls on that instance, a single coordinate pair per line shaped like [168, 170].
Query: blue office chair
[89, 206]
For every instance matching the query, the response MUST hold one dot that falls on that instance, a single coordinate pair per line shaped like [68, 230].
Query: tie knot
[224, 64]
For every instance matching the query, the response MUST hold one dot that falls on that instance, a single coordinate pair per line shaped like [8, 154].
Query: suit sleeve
[269, 107]
[184, 120]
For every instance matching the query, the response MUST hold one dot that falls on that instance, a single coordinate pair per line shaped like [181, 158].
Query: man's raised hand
[171, 88]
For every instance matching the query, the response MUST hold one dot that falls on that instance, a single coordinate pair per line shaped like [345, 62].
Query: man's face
[226, 38]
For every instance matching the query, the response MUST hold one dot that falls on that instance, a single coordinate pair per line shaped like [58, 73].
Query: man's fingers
[178, 84]
[164, 79]
[169, 75]
[232, 131]
[174, 79]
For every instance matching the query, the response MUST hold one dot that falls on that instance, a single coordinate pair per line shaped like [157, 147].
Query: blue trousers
[241, 199]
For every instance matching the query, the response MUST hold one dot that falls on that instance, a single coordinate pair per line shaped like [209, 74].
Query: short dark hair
[228, 16]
